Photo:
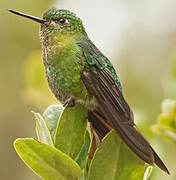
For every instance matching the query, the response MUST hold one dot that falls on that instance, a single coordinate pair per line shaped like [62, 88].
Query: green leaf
[82, 156]
[113, 160]
[46, 161]
[42, 130]
[71, 129]
[51, 116]
[148, 172]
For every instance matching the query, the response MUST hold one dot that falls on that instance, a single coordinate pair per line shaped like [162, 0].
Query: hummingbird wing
[101, 83]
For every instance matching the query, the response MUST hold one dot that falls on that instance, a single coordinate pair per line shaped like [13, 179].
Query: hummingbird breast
[63, 68]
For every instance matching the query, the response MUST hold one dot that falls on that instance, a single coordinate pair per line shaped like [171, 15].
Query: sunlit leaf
[148, 172]
[71, 129]
[51, 116]
[82, 156]
[113, 160]
[46, 161]
[42, 130]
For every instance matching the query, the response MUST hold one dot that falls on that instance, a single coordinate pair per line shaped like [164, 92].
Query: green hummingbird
[77, 72]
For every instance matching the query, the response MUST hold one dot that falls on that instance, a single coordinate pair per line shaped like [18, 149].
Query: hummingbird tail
[114, 113]
[101, 127]
[159, 162]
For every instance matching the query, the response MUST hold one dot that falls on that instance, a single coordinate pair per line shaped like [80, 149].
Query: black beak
[27, 16]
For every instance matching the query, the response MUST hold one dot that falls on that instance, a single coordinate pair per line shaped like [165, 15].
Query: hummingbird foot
[70, 102]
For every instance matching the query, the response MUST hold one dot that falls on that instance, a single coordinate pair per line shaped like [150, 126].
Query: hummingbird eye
[62, 21]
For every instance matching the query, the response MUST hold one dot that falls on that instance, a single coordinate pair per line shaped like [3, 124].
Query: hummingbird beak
[27, 16]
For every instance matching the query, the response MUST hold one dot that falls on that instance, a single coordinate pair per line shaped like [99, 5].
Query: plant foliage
[61, 150]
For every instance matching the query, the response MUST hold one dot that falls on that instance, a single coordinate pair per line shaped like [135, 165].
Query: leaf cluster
[61, 150]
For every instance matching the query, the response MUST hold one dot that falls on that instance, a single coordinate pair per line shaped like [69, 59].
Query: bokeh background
[139, 37]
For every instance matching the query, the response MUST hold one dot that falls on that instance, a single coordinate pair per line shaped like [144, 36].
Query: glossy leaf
[71, 129]
[46, 161]
[42, 130]
[147, 172]
[113, 160]
[51, 116]
[82, 156]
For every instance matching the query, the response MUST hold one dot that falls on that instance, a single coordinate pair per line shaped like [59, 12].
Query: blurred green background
[138, 37]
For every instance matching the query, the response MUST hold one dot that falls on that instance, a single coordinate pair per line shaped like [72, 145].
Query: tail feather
[159, 163]
[101, 127]
[117, 114]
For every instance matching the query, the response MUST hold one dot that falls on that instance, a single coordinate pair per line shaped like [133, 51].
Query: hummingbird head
[58, 28]
[61, 21]
[57, 21]
[59, 31]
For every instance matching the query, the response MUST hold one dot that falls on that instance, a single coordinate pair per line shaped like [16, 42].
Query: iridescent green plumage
[61, 55]
[63, 49]
[76, 69]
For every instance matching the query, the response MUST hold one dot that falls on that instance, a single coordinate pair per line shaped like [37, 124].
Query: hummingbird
[78, 72]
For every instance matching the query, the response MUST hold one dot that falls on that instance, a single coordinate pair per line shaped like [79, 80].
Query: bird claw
[70, 102]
